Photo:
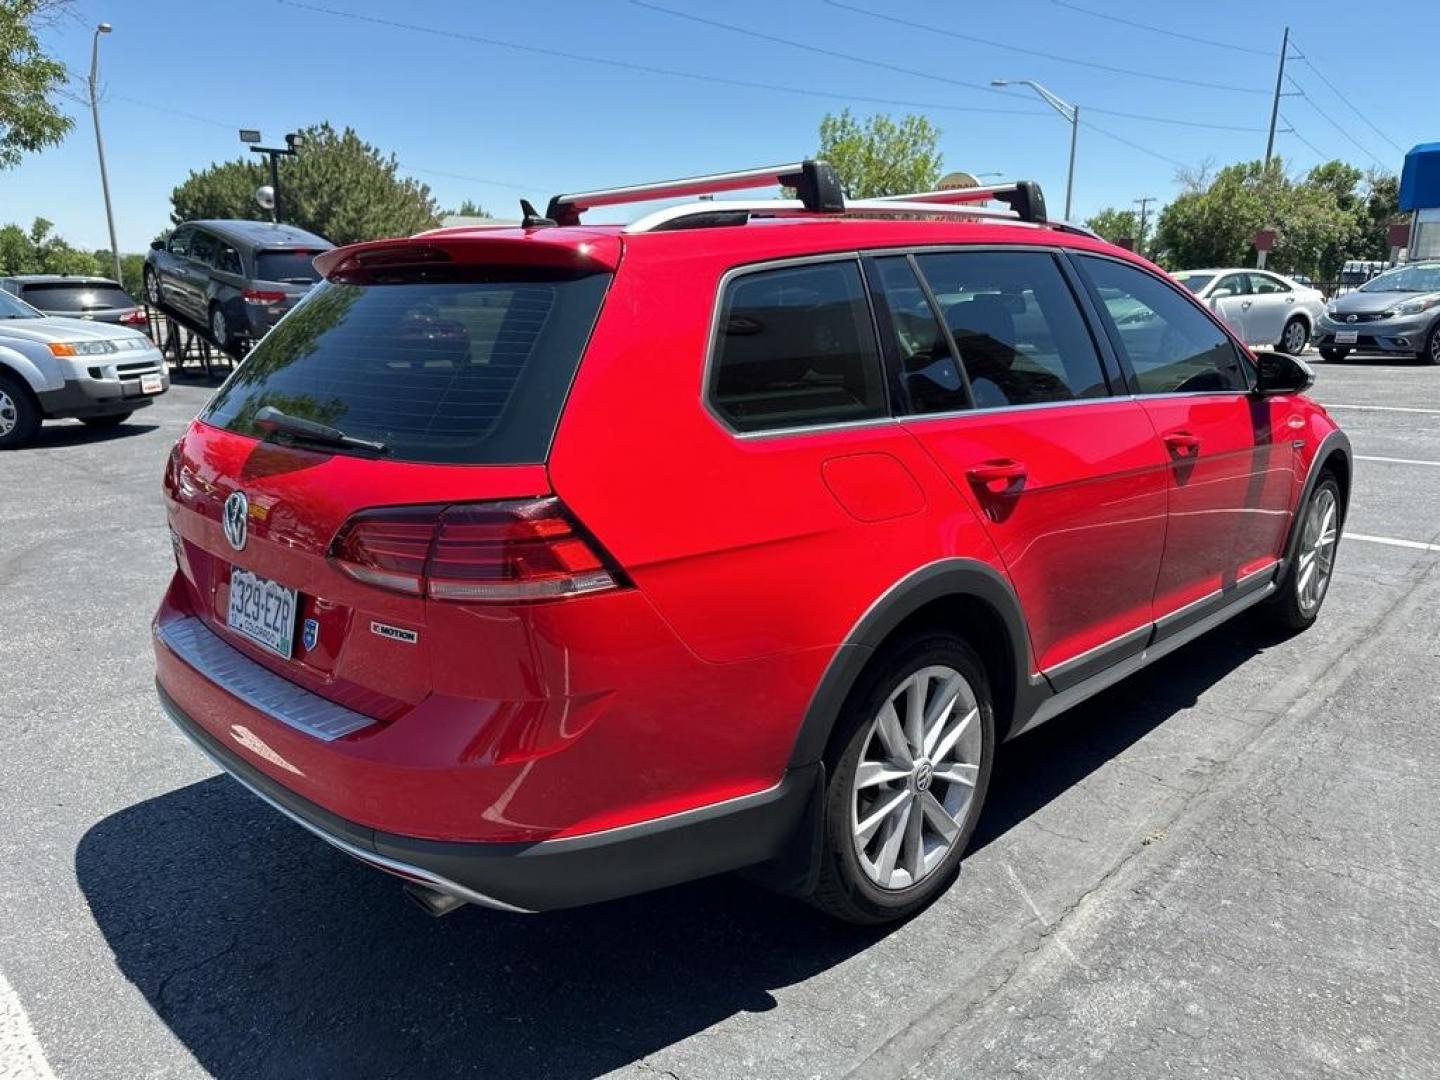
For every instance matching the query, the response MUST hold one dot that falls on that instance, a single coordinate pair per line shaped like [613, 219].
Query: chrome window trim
[257, 686]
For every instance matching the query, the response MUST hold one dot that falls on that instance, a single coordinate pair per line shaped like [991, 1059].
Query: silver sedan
[1264, 309]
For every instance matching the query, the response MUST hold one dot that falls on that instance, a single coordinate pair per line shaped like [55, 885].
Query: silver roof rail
[739, 212]
[816, 182]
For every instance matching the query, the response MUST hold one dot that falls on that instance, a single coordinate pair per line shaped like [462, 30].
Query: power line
[651, 69]
[1300, 55]
[1208, 84]
[1136, 146]
[1335, 123]
[1175, 121]
[1315, 149]
[1161, 30]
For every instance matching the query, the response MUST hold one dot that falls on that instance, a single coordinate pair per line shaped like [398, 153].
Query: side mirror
[1281, 373]
[1220, 294]
[157, 245]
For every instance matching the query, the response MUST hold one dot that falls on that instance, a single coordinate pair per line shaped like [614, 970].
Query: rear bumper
[549, 874]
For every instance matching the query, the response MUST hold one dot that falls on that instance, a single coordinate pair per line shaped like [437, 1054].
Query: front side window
[180, 242]
[1172, 346]
[1232, 285]
[202, 247]
[795, 347]
[1020, 334]
[1264, 283]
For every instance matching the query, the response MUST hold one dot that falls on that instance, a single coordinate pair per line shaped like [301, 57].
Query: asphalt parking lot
[1225, 867]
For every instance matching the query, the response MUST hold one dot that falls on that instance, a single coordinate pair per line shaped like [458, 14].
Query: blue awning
[1420, 179]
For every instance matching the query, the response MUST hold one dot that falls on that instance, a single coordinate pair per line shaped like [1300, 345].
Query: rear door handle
[1183, 443]
[1246, 303]
[1003, 476]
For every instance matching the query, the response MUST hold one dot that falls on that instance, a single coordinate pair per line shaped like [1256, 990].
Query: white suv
[53, 368]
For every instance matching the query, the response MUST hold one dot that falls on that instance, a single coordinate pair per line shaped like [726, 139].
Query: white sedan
[1263, 309]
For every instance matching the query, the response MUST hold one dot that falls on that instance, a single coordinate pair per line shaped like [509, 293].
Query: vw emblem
[924, 773]
[1351, 318]
[235, 519]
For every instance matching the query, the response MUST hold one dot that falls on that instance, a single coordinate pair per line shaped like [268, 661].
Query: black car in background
[77, 296]
[234, 277]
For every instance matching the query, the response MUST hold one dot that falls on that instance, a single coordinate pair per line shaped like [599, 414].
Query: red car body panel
[748, 561]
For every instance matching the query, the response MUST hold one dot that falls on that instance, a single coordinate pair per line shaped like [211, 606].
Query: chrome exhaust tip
[432, 901]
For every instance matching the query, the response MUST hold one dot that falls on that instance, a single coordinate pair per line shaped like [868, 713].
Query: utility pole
[1275, 105]
[1144, 203]
[102, 28]
[293, 142]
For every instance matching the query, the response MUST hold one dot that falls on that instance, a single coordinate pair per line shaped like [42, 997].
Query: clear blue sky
[503, 122]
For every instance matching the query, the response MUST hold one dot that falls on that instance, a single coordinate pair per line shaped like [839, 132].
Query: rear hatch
[445, 366]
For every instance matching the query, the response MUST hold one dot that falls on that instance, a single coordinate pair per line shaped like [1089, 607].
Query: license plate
[1346, 337]
[151, 384]
[262, 610]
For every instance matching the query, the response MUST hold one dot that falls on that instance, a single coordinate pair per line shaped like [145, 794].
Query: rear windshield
[71, 296]
[1195, 282]
[471, 371]
[286, 266]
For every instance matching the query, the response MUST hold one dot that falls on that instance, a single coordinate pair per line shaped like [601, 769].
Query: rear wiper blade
[274, 421]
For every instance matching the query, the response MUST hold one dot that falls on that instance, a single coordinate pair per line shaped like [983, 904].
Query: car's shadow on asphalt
[269, 954]
[74, 433]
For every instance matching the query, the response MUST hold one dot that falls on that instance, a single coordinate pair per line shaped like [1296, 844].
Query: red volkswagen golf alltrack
[550, 564]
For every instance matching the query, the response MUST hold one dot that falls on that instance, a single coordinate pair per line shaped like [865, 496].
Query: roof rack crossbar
[1024, 197]
[816, 182]
[737, 211]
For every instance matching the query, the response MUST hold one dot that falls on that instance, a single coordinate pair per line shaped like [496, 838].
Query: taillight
[263, 296]
[496, 552]
[134, 318]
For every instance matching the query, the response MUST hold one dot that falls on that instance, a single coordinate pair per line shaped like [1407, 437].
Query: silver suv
[52, 368]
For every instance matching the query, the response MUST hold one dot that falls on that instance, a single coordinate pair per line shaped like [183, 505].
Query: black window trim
[713, 348]
[1242, 353]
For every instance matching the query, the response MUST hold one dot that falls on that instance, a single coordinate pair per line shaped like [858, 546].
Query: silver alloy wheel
[9, 414]
[152, 287]
[1317, 550]
[1435, 346]
[915, 781]
[1293, 340]
[218, 329]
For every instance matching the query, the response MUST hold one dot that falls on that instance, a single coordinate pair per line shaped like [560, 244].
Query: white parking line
[1390, 541]
[1383, 408]
[1398, 460]
[20, 1055]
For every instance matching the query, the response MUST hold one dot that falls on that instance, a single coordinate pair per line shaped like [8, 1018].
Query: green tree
[1114, 224]
[30, 119]
[468, 208]
[38, 250]
[881, 156]
[338, 186]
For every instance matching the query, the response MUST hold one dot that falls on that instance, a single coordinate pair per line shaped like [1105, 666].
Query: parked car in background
[1263, 309]
[1355, 272]
[52, 368]
[234, 278]
[100, 299]
[1397, 312]
[544, 565]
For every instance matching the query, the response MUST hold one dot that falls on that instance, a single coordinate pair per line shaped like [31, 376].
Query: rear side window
[203, 246]
[1020, 334]
[472, 369]
[67, 296]
[228, 261]
[292, 266]
[1172, 346]
[795, 347]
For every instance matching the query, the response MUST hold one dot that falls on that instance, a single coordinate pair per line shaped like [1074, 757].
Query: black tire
[1431, 353]
[219, 335]
[152, 288]
[19, 413]
[1289, 331]
[113, 420]
[1332, 354]
[1286, 609]
[844, 890]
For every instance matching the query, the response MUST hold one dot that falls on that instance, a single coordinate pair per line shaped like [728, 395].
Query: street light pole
[103, 28]
[1070, 113]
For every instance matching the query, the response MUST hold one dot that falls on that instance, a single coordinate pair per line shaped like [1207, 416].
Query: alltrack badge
[235, 519]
